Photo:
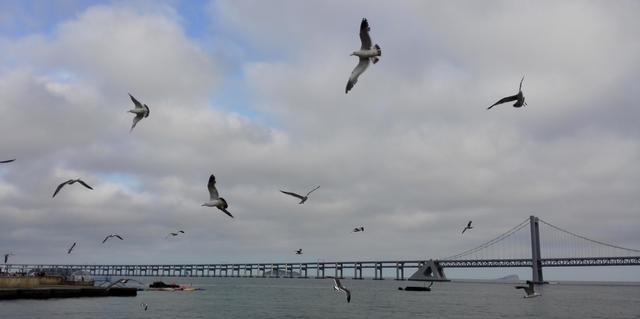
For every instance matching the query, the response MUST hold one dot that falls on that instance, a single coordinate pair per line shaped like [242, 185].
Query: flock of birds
[368, 54]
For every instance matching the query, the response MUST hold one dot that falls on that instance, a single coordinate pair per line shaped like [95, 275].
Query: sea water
[315, 298]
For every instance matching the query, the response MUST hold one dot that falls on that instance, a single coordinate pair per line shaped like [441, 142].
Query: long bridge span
[514, 248]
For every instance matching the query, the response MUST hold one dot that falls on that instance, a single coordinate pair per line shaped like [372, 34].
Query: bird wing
[136, 119]
[469, 224]
[146, 114]
[464, 230]
[348, 294]
[313, 190]
[364, 35]
[118, 237]
[359, 69]
[181, 231]
[292, 194]
[84, 184]
[138, 104]
[70, 249]
[337, 283]
[520, 89]
[59, 187]
[7, 161]
[226, 212]
[105, 239]
[504, 100]
[211, 185]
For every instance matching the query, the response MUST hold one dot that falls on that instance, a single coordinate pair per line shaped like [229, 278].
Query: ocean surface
[315, 298]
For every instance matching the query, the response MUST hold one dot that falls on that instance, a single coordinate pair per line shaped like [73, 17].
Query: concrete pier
[45, 292]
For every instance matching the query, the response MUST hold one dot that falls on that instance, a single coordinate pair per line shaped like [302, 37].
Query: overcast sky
[253, 92]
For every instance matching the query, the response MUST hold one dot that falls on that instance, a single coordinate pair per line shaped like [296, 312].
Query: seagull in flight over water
[6, 257]
[299, 251]
[366, 55]
[337, 285]
[215, 199]
[358, 229]
[467, 227]
[528, 290]
[144, 306]
[112, 235]
[7, 161]
[519, 98]
[71, 182]
[140, 110]
[71, 248]
[302, 198]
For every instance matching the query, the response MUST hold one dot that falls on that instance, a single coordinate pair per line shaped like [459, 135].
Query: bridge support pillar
[399, 271]
[536, 263]
[378, 272]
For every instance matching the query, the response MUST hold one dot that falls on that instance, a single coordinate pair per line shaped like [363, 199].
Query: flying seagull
[6, 257]
[299, 251]
[366, 55]
[71, 248]
[216, 200]
[358, 229]
[144, 306]
[70, 182]
[112, 235]
[337, 285]
[176, 233]
[519, 98]
[7, 161]
[140, 110]
[302, 198]
[528, 290]
[467, 227]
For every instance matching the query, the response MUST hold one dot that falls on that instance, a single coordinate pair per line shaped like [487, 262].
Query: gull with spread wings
[140, 110]
[366, 54]
[302, 198]
[519, 98]
[71, 182]
[215, 199]
[111, 236]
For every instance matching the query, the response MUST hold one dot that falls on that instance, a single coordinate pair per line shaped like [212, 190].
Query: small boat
[414, 288]
[161, 286]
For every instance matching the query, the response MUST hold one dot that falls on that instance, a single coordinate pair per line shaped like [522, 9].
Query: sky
[253, 92]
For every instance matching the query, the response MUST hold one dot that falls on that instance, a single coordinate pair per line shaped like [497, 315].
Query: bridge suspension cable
[564, 243]
[492, 242]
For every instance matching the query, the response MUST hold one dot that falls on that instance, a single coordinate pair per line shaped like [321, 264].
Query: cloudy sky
[253, 92]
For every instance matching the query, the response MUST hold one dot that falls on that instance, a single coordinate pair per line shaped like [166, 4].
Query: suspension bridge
[534, 243]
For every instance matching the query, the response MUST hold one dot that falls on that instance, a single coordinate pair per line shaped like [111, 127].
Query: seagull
[358, 229]
[7, 161]
[140, 110]
[112, 235]
[519, 98]
[144, 306]
[6, 257]
[528, 290]
[299, 251]
[175, 234]
[467, 227]
[337, 285]
[302, 198]
[70, 182]
[366, 55]
[216, 201]
[71, 248]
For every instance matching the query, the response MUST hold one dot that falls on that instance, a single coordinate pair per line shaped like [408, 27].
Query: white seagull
[71, 248]
[7, 161]
[112, 235]
[140, 110]
[366, 55]
[302, 198]
[337, 285]
[528, 290]
[519, 98]
[71, 182]
[215, 199]
[467, 227]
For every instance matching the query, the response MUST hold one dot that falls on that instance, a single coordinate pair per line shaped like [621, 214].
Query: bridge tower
[536, 263]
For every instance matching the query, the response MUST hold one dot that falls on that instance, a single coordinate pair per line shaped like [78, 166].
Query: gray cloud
[411, 153]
